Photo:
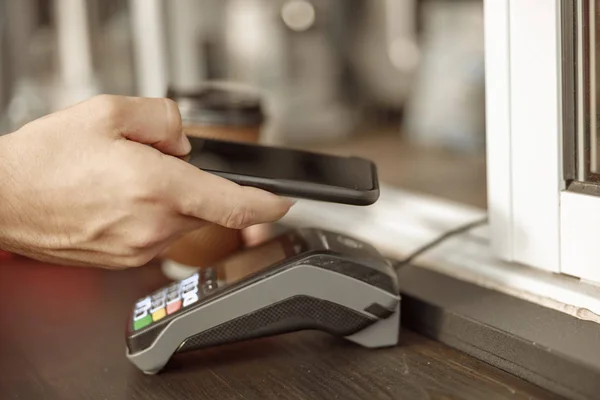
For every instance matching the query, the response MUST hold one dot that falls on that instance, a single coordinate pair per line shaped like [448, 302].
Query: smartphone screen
[280, 164]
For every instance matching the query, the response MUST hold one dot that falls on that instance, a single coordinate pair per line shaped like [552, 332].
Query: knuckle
[137, 259]
[108, 107]
[173, 115]
[189, 206]
[141, 186]
[134, 261]
[239, 217]
[148, 239]
[140, 191]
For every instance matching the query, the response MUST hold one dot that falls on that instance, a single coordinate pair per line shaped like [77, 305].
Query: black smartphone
[289, 172]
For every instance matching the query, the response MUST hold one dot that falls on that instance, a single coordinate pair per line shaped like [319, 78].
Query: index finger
[211, 198]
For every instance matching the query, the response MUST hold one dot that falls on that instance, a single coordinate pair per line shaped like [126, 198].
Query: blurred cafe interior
[397, 81]
[509, 308]
[400, 82]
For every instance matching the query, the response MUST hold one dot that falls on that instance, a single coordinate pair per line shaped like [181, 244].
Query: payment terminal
[302, 279]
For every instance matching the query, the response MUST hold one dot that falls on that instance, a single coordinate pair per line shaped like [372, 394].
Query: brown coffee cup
[219, 113]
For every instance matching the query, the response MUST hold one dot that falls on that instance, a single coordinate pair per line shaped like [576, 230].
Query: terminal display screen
[179, 296]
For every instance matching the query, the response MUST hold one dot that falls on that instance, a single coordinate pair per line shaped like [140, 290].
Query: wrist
[6, 165]
[7, 191]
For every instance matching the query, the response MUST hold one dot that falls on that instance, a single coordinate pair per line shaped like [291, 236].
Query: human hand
[101, 184]
[257, 234]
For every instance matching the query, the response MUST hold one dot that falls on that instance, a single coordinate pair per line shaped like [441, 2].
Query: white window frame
[534, 218]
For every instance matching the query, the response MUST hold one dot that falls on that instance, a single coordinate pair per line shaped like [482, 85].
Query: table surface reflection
[62, 336]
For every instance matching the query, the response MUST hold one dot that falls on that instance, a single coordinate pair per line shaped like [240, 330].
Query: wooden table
[62, 330]
[62, 337]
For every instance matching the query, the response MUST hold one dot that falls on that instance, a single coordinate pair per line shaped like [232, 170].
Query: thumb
[152, 121]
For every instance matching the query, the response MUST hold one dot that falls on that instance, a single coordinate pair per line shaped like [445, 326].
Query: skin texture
[102, 183]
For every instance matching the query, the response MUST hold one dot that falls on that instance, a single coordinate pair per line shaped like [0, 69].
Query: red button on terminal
[172, 307]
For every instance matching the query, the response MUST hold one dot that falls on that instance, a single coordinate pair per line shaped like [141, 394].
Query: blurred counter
[453, 175]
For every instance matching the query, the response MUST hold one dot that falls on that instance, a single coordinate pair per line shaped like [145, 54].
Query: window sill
[536, 325]
[402, 221]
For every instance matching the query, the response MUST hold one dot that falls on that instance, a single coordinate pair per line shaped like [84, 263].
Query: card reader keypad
[172, 298]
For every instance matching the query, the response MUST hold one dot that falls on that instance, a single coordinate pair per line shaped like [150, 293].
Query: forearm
[5, 179]
[7, 207]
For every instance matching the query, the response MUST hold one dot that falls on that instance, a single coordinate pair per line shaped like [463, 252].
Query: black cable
[445, 236]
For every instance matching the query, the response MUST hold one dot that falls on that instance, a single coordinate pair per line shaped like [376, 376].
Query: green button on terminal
[142, 322]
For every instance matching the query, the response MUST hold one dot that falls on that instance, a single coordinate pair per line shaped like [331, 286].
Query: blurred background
[398, 81]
